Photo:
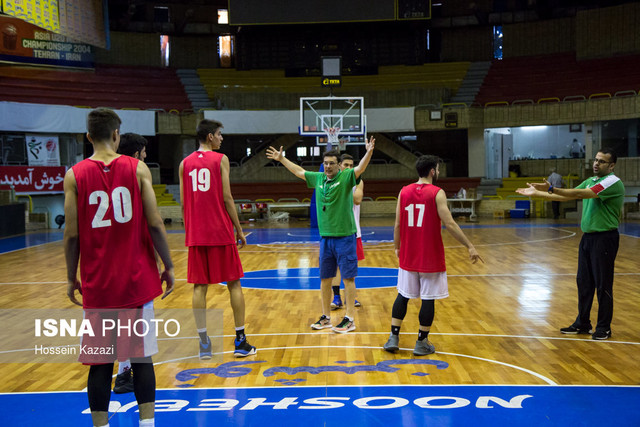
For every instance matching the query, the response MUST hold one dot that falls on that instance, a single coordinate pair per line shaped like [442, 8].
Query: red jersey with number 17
[117, 263]
[421, 247]
[206, 220]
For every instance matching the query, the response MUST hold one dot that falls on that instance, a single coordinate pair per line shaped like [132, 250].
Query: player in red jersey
[111, 215]
[418, 243]
[132, 145]
[209, 220]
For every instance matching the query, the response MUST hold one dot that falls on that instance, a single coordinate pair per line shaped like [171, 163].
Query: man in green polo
[603, 196]
[334, 206]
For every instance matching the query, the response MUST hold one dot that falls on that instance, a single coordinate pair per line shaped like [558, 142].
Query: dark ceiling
[200, 16]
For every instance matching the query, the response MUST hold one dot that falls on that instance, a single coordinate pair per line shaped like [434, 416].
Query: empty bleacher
[559, 77]
[392, 86]
[106, 86]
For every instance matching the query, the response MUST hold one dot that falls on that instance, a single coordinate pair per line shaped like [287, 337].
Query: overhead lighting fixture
[223, 16]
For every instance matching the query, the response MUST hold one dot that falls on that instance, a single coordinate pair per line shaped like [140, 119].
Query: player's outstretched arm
[155, 225]
[559, 194]
[278, 155]
[71, 242]
[453, 227]
[364, 162]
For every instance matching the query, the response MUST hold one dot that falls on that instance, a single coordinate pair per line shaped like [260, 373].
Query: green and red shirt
[603, 212]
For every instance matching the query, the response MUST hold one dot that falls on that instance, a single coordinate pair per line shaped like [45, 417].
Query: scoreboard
[261, 12]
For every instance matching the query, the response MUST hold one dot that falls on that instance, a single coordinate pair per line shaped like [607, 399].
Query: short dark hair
[131, 143]
[346, 156]
[332, 153]
[610, 152]
[205, 127]
[425, 163]
[101, 123]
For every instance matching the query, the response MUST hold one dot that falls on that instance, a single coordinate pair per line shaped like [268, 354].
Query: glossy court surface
[500, 358]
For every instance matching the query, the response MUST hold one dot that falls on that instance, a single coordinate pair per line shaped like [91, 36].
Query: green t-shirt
[603, 212]
[334, 202]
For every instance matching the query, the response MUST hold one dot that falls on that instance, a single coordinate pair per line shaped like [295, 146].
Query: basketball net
[333, 139]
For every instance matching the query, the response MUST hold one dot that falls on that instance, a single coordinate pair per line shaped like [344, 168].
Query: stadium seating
[392, 86]
[559, 77]
[106, 86]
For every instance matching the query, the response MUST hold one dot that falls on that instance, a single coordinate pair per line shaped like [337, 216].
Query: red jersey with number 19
[117, 263]
[421, 247]
[206, 220]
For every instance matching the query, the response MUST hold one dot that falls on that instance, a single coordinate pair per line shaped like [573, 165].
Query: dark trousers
[596, 259]
[556, 209]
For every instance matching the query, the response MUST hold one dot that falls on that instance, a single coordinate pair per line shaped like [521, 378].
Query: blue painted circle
[307, 279]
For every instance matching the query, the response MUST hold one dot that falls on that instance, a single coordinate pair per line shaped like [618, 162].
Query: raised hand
[274, 154]
[370, 144]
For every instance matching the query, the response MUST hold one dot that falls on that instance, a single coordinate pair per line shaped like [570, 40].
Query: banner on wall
[85, 21]
[43, 150]
[43, 13]
[25, 42]
[33, 179]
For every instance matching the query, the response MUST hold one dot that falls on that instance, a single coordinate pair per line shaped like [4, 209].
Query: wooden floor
[499, 325]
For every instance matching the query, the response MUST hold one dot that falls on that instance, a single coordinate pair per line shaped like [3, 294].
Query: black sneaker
[243, 348]
[572, 330]
[124, 382]
[601, 335]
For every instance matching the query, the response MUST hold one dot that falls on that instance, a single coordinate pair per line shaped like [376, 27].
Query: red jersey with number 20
[206, 220]
[421, 247]
[117, 264]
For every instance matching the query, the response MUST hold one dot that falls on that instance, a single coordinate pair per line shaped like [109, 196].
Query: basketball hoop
[333, 138]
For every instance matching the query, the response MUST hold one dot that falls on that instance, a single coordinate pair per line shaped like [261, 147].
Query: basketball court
[500, 358]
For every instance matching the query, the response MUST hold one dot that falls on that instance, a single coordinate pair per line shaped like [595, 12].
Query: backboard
[318, 114]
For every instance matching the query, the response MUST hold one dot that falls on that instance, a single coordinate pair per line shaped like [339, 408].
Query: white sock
[123, 366]
[147, 422]
[240, 328]
[106, 425]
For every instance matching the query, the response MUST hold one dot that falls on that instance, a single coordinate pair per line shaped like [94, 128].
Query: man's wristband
[550, 190]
